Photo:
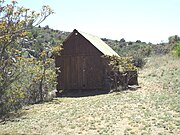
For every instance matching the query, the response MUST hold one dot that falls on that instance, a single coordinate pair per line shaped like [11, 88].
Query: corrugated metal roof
[99, 44]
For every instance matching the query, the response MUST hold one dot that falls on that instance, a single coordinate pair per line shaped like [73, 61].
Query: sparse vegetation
[22, 76]
[120, 72]
[151, 109]
[176, 50]
[28, 75]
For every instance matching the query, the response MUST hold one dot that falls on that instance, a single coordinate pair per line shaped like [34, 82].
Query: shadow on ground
[86, 93]
[82, 93]
[12, 117]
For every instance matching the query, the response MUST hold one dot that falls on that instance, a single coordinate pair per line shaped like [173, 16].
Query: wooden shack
[80, 62]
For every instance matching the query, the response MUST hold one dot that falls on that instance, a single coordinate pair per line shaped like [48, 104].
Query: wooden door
[81, 72]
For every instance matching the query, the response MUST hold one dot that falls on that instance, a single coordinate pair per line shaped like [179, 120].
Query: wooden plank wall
[81, 72]
[80, 64]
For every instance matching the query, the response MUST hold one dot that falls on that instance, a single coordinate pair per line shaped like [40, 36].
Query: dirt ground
[152, 109]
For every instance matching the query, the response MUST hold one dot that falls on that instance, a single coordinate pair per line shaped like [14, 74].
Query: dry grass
[152, 109]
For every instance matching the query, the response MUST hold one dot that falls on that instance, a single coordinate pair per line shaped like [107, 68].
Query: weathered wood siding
[80, 64]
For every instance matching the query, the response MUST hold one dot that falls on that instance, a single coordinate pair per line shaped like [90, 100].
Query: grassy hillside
[45, 36]
[152, 109]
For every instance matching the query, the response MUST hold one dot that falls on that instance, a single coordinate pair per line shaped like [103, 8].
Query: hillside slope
[152, 109]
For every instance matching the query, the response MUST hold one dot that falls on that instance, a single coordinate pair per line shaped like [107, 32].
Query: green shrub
[33, 85]
[120, 72]
[14, 26]
[176, 50]
[139, 61]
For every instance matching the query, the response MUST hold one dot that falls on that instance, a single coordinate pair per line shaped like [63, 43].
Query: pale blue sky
[146, 20]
